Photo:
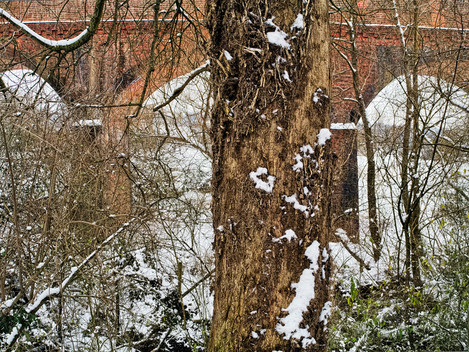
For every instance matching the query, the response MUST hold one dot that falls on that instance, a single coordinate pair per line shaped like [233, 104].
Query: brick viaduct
[112, 67]
[116, 62]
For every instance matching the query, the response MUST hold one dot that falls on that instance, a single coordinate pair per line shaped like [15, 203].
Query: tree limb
[181, 88]
[52, 292]
[66, 45]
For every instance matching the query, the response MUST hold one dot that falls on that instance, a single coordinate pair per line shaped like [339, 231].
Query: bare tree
[271, 175]
[351, 17]
[85, 262]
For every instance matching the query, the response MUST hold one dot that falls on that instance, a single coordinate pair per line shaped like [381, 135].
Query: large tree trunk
[271, 174]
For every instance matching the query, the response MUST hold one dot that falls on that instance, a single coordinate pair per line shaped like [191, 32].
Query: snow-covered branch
[399, 26]
[349, 63]
[52, 292]
[354, 252]
[64, 44]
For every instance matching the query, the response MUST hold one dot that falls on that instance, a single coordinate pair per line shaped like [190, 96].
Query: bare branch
[181, 88]
[52, 292]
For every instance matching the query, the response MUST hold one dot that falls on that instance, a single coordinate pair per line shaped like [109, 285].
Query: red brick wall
[80, 10]
[129, 56]
[379, 46]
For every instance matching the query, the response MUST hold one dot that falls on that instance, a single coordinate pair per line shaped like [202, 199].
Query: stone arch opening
[31, 92]
[433, 155]
[441, 104]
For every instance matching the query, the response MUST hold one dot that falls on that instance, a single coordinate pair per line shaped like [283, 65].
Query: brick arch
[33, 87]
[12, 58]
[34, 70]
[446, 83]
[431, 95]
[131, 92]
[433, 66]
[380, 59]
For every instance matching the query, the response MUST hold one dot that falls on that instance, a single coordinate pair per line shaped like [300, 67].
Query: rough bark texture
[265, 118]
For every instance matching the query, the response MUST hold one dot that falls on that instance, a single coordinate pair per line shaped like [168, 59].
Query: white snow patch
[278, 38]
[289, 235]
[290, 325]
[325, 255]
[299, 164]
[7, 303]
[260, 184]
[307, 149]
[280, 60]
[312, 253]
[88, 123]
[296, 205]
[343, 126]
[13, 334]
[323, 136]
[227, 55]
[298, 23]
[325, 313]
[316, 96]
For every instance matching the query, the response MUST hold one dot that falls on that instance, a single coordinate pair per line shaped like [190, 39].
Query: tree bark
[271, 174]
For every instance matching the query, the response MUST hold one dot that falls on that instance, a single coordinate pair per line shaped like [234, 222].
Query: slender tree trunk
[410, 184]
[370, 152]
[415, 234]
[405, 196]
[271, 174]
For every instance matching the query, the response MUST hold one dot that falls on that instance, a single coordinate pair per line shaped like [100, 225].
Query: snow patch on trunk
[298, 23]
[290, 325]
[289, 235]
[323, 136]
[260, 184]
[278, 37]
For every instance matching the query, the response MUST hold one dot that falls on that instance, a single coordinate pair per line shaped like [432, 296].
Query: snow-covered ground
[171, 254]
[444, 108]
[153, 262]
